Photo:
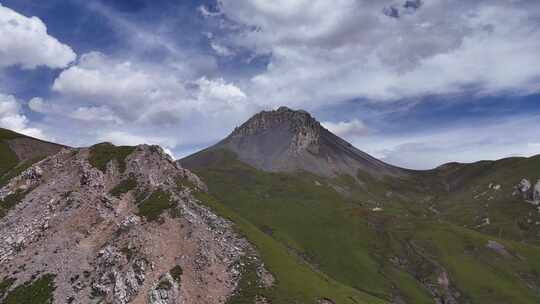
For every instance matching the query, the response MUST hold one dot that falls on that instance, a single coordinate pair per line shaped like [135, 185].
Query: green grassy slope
[331, 225]
[11, 165]
[296, 280]
[473, 200]
[8, 158]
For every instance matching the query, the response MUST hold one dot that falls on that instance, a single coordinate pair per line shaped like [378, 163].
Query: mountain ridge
[325, 233]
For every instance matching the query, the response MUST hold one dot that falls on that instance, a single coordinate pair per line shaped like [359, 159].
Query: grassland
[8, 157]
[297, 281]
[314, 233]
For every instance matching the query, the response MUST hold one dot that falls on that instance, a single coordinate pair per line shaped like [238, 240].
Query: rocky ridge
[87, 229]
[305, 129]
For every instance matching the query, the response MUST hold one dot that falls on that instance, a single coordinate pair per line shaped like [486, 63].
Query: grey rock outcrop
[536, 193]
[530, 193]
[165, 291]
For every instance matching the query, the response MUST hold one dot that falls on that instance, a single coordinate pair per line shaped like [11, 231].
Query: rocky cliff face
[305, 130]
[130, 232]
[286, 140]
[530, 192]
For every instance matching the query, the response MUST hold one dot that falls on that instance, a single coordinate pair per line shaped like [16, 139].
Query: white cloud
[95, 114]
[221, 50]
[100, 94]
[330, 51]
[129, 139]
[219, 91]
[203, 10]
[11, 117]
[24, 41]
[138, 92]
[347, 129]
[39, 105]
[491, 140]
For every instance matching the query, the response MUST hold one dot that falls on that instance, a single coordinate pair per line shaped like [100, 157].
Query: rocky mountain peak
[286, 140]
[297, 121]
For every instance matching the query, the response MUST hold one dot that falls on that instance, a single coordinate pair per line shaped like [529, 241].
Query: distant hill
[18, 152]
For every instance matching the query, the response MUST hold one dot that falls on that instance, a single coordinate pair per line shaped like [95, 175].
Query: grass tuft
[124, 187]
[102, 154]
[39, 291]
[11, 201]
[8, 157]
[176, 272]
[5, 285]
[158, 202]
[248, 288]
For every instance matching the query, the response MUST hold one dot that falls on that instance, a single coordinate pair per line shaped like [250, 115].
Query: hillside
[281, 211]
[111, 224]
[456, 234]
[18, 152]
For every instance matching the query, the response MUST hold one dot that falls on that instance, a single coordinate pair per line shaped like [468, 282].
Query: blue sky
[415, 83]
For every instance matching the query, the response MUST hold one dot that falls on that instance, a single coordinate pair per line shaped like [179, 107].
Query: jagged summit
[286, 140]
[298, 121]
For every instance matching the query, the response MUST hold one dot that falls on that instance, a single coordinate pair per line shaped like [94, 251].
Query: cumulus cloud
[138, 92]
[128, 102]
[40, 105]
[323, 52]
[491, 140]
[101, 113]
[129, 139]
[24, 41]
[11, 117]
[221, 50]
[347, 129]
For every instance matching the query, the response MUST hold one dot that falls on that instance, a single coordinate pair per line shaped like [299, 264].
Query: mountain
[460, 233]
[111, 224]
[287, 140]
[18, 151]
[281, 211]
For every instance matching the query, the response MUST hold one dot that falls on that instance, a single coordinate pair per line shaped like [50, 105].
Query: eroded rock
[101, 248]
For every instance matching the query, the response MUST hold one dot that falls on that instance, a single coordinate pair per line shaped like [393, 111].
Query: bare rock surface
[529, 192]
[101, 248]
[286, 140]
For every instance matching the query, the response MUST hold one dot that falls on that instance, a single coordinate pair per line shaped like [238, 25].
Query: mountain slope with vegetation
[281, 211]
[17, 153]
[456, 234]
